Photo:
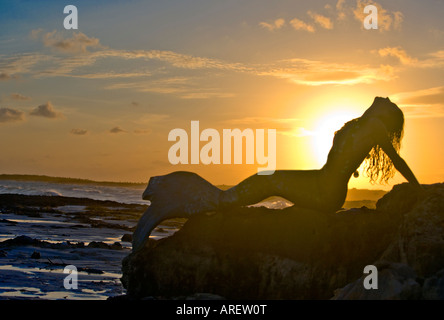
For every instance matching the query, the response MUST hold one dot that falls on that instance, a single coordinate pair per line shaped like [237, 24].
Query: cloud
[206, 95]
[298, 132]
[156, 77]
[18, 97]
[423, 111]
[433, 60]
[301, 25]
[343, 10]
[175, 59]
[4, 76]
[79, 132]
[428, 96]
[110, 75]
[74, 65]
[46, 110]
[77, 43]
[146, 120]
[143, 131]
[399, 53]
[341, 14]
[275, 25]
[387, 20]
[12, 66]
[425, 103]
[180, 86]
[10, 115]
[321, 20]
[316, 73]
[286, 126]
[116, 130]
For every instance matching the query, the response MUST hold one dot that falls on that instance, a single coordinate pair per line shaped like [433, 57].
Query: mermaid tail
[179, 194]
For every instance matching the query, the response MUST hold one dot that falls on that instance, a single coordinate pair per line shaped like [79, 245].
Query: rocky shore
[259, 253]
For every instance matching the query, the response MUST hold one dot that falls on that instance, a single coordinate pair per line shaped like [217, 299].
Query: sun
[325, 130]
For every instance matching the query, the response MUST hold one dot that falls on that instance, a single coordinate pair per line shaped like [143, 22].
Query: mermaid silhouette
[373, 138]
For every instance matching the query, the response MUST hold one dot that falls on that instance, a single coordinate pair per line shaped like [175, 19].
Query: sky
[98, 102]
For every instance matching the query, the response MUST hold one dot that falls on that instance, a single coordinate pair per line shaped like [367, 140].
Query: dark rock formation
[127, 237]
[35, 255]
[258, 253]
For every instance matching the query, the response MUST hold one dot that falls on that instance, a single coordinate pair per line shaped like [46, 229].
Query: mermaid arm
[399, 163]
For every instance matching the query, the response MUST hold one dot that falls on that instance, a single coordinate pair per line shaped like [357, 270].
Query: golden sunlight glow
[325, 130]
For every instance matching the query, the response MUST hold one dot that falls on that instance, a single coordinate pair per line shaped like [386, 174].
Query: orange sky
[99, 102]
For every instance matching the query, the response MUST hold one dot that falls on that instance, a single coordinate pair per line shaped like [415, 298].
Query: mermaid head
[378, 165]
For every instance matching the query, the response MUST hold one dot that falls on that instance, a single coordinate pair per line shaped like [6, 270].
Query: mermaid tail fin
[176, 195]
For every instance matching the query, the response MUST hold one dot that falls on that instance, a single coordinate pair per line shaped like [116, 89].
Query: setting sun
[325, 130]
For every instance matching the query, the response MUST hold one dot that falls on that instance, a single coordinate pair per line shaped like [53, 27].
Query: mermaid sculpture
[374, 137]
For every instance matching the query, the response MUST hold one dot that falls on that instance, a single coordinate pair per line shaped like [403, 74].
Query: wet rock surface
[258, 253]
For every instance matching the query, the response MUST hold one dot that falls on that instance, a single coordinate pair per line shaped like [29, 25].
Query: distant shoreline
[352, 195]
[43, 178]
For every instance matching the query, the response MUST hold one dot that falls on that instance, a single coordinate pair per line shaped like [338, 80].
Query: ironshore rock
[293, 253]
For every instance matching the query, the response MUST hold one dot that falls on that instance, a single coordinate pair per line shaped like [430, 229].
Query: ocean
[122, 194]
[35, 270]
[91, 191]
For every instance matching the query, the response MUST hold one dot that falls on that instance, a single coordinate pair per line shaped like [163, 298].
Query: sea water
[132, 194]
[121, 194]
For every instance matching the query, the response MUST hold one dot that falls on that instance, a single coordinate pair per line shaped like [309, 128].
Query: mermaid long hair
[377, 165]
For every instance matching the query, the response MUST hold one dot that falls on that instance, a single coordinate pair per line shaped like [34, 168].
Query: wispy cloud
[433, 60]
[79, 132]
[77, 43]
[19, 97]
[323, 21]
[175, 59]
[12, 67]
[298, 24]
[147, 120]
[316, 73]
[5, 76]
[10, 115]
[342, 11]
[184, 88]
[399, 53]
[166, 77]
[274, 25]
[285, 126]
[142, 131]
[298, 132]
[428, 96]
[422, 103]
[387, 20]
[85, 52]
[116, 130]
[46, 111]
